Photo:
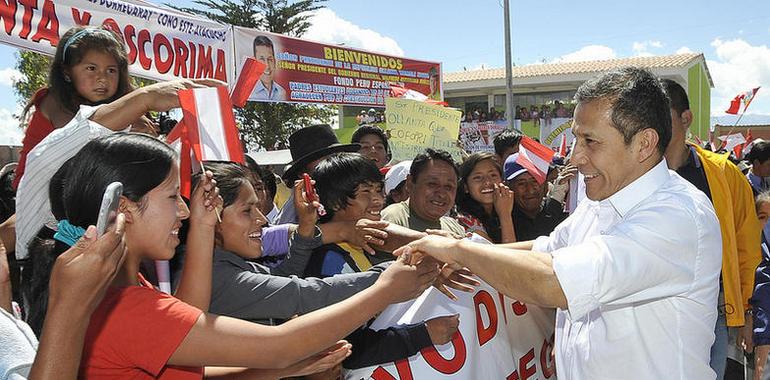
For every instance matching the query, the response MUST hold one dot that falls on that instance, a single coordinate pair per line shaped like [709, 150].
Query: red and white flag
[745, 98]
[535, 157]
[563, 146]
[747, 145]
[733, 140]
[405, 93]
[210, 123]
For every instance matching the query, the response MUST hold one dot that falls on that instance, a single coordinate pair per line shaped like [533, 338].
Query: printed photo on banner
[162, 44]
[312, 72]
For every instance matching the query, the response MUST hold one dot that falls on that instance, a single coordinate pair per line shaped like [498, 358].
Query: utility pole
[509, 110]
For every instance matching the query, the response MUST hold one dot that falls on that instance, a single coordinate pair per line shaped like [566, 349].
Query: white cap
[396, 175]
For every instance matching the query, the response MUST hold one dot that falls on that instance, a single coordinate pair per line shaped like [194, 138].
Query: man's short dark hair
[367, 129]
[677, 96]
[262, 41]
[759, 151]
[506, 139]
[637, 100]
[421, 161]
[337, 177]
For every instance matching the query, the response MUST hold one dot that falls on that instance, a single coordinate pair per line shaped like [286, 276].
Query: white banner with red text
[162, 44]
[498, 338]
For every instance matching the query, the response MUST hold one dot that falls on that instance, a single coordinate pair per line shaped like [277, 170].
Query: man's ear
[686, 118]
[646, 143]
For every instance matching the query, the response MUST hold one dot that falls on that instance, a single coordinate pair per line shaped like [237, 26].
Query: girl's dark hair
[229, 176]
[468, 205]
[337, 177]
[138, 161]
[99, 38]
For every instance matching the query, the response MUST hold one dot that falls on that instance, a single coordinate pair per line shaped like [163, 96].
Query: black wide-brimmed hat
[311, 143]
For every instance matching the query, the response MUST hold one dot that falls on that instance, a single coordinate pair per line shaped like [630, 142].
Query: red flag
[563, 146]
[247, 79]
[179, 141]
[748, 144]
[735, 105]
[210, 123]
[535, 157]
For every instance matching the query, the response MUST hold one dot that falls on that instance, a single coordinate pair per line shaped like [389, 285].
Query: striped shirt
[33, 207]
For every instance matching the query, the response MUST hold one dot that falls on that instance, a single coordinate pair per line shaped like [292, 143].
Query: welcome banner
[162, 44]
[498, 338]
[312, 72]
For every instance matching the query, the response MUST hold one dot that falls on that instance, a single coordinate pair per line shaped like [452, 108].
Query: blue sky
[461, 34]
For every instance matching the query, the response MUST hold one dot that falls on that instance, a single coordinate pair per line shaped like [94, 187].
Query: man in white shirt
[267, 88]
[634, 271]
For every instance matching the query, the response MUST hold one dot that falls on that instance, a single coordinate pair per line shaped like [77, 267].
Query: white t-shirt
[640, 271]
[18, 346]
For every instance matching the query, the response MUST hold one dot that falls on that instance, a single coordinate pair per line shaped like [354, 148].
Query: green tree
[34, 74]
[268, 124]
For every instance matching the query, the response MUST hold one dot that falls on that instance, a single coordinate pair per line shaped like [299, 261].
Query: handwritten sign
[414, 126]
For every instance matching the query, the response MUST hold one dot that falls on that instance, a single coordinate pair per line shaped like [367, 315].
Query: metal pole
[509, 109]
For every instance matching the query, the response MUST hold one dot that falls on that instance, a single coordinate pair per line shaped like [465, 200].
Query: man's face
[602, 156]
[433, 193]
[527, 193]
[680, 122]
[373, 148]
[760, 168]
[434, 85]
[265, 55]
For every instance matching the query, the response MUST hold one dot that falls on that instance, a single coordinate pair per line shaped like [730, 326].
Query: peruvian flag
[745, 98]
[247, 80]
[733, 140]
[563, 146]
[535, 157]
[210, 124]
[747, 145]
[405, 93]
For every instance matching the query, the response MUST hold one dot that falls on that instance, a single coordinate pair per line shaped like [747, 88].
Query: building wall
[699, 93]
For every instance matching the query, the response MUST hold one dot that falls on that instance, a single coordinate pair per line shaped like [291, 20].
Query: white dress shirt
[261, 93]
[640, 271]
[33, 207]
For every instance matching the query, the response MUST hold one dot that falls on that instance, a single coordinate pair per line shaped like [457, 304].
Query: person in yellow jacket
[733, 201]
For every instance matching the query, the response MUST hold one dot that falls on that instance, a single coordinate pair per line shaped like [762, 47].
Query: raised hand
[205, 202]
[82, 273]
[405, 281]
[367, 232]
[503, 200]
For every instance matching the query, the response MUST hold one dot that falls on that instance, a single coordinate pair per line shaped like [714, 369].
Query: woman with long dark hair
[484, 202]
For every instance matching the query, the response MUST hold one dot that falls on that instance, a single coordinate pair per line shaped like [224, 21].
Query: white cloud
[10, 133]
[8, 75]
[684, 50]
[739, 67]
[642, 49]
[329, 28]
[588, 53]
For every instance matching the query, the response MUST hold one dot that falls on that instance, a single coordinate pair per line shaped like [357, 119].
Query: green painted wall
[699, 93]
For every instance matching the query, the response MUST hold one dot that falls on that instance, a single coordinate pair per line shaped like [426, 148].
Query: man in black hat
[308, 146]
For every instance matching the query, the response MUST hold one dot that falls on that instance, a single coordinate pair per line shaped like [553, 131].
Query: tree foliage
[34, 74]
[268, 124]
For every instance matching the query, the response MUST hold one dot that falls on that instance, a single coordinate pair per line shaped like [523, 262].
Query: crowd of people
[660, 270]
